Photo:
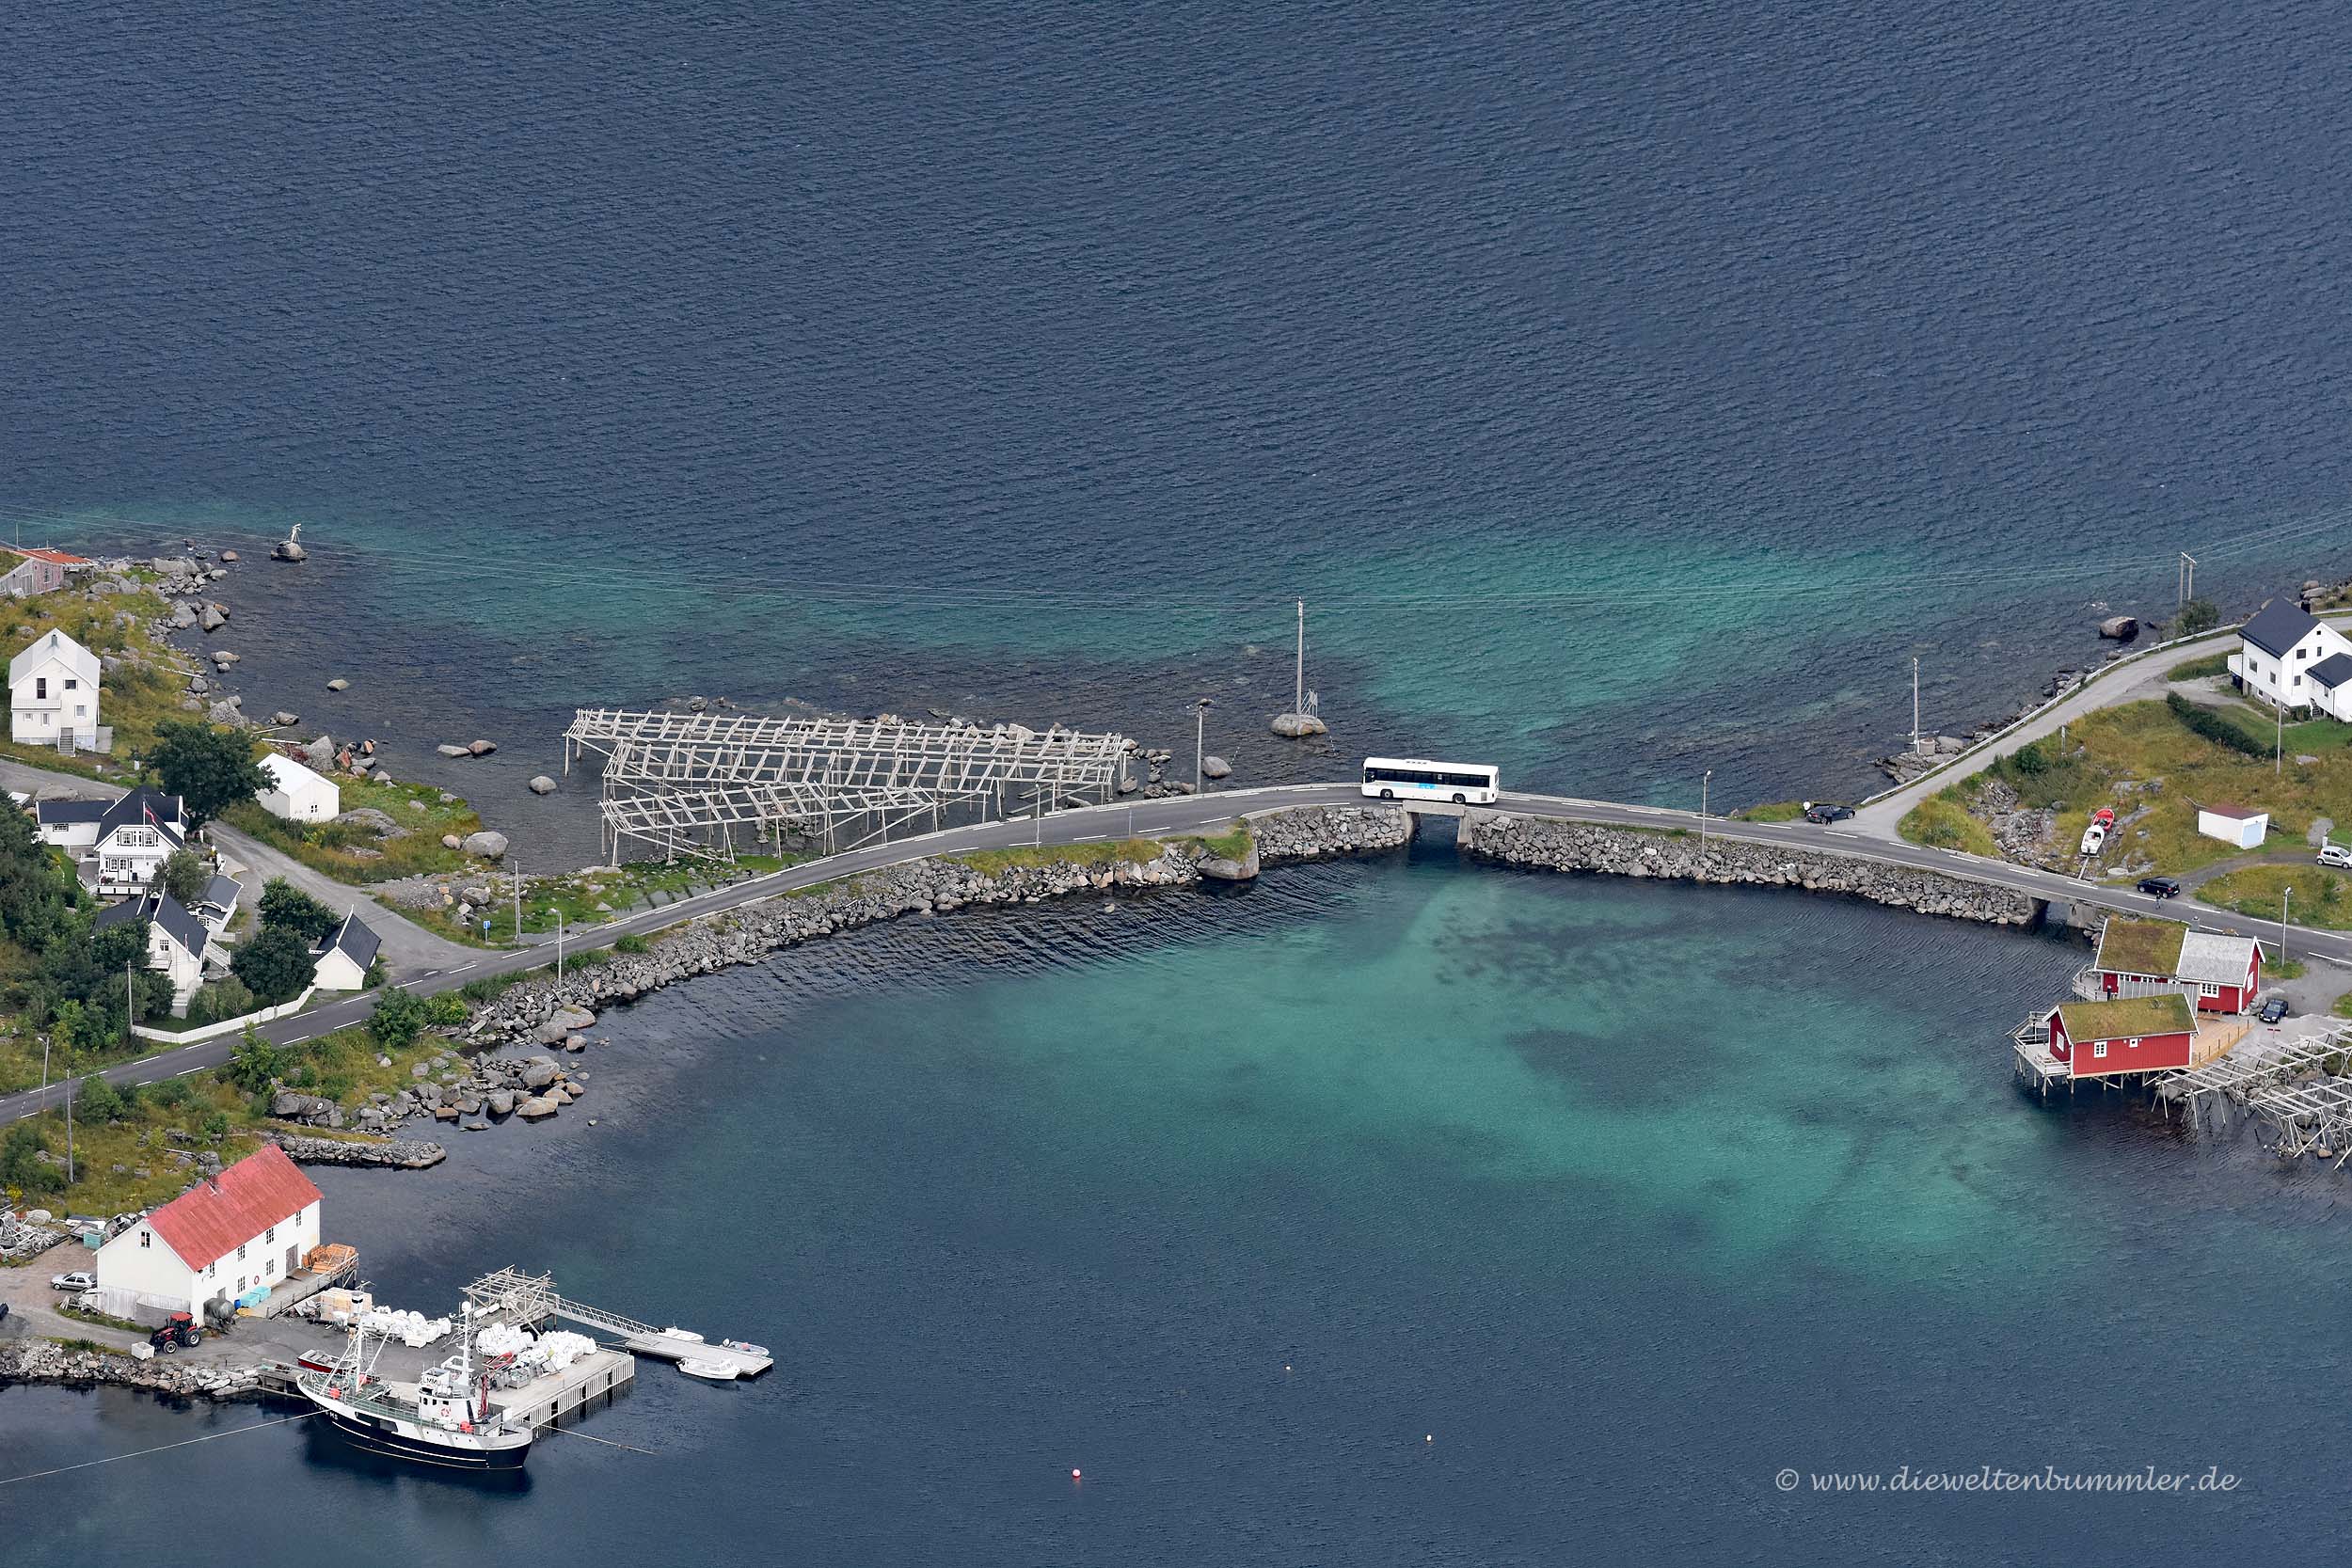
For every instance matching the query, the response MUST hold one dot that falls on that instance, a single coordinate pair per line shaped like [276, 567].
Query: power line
[62, 1469]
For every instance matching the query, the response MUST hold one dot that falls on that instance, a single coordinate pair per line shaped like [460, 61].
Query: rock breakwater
[1510, 839]
[46, 1361]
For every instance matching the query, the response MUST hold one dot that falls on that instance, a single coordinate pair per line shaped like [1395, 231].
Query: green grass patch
[2282, 968]
[1139, 851]
[1941, 822]
[1233, 844]
[1770, 811]
[2199, 669]
[627, 887]
[2323, 898]
[351, 853]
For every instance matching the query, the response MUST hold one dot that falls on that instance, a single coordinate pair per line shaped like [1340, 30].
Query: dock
[541, 1401]
[532, 1300]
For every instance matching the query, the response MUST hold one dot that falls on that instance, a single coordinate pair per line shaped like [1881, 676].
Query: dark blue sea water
[1630, 390]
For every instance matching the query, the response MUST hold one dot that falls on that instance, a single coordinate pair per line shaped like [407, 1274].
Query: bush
[170, 1094]
[2031, 760]
[224, 998]
[287, 906]
[2217, 728]
[445, 1011]
[399, 1017]
[216, 1125]
[632, 942]
[253, 1062]
[2195, 616]
[97, 1101]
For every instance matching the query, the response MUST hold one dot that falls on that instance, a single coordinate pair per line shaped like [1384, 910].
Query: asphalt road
[1189, 815]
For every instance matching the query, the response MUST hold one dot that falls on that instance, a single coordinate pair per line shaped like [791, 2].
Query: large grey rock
[448, 749]
[225, 712]
[1216, 767]
[481, 747]
[2121, 628]
[212, 620]
[182, 618]
[536, 1108]
[1219, 869]
[450, 841]
[501, 1103]
[339, 684]
[489, 846]
[539, 1073]
[542, 784]
[1296, 725]
[286, 549]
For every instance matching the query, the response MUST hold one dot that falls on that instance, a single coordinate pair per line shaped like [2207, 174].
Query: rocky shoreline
[46, 1361]
[1539, 844]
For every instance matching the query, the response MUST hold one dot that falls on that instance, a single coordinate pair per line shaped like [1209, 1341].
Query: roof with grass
[2129, 946]
[2129, 1018]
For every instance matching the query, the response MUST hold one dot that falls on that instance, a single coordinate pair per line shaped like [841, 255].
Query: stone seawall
[931, 886]
[31, 1360]
[1540, 843]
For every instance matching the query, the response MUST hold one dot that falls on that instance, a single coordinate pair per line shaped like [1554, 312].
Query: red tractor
[179, 1329]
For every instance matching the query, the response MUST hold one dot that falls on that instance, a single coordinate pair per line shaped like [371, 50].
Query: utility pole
[559, 952]
[1298, 682]
[130, 1002]
[517, 874]
[2284, 895]
[2279, 714]
[1915, 702]
[2184, 580]
[1199, 729]
[1703, 778]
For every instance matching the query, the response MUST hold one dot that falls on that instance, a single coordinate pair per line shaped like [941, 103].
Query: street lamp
[559, 948]
[2284, 894]
[1200, 730]
[1703, 778]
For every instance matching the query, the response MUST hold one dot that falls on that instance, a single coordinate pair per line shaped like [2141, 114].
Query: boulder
[1219, 868]
[282, 716]
[2120, 628]
[489, 846]
[229, 555]
[198, 684]
[1297, 725]
[182, 618]
[542, 784]
[535, 1108]
[286, 549]
[1214, 767]
[212, 620]
[449, 751]
[226, 713]
[481, 747]
[539, 1073]
[339, 684]
[501, 1103]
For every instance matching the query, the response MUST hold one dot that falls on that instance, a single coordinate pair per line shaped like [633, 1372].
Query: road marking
[184, 1074]
[1090, 838]
[462, 968]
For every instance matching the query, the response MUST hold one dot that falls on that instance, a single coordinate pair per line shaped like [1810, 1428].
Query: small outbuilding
[2232, 824]
[296, 793]
[31, 572]
[342, 961]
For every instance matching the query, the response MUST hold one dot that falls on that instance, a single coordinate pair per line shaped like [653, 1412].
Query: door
[290, 1260]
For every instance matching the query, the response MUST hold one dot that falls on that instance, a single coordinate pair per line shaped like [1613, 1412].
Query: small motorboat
[710, 1372]
[745, 1346]
[674, 1332]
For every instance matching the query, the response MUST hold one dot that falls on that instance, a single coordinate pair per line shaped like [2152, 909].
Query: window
[40, 688]
[2206, 987]
[2132, 1044]
[240, 1252]
[79, 711]
[2099, 1049]
[73, 685]
[147, 1239]
[271, 1234]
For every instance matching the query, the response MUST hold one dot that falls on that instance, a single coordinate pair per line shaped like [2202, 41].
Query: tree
[209, 769]
[398, 1019]
[97, 1101]
[183, 875]
[224, 998]
[275, 965]
[288, 907]
[120, 946]
[2195, 616]
[253, 1062]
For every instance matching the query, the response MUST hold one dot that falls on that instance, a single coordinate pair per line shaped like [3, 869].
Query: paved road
[1175, 817]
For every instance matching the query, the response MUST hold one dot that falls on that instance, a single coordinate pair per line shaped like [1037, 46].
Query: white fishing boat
[710, 1372]
[450, 1423]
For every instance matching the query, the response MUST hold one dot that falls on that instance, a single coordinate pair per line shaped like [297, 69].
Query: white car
[2093, 837]
[76, 1281]
[2336, 854]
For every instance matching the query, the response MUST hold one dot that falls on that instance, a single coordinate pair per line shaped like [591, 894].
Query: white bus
[1465, 784]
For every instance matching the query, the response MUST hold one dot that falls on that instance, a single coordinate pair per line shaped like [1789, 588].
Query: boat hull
[392, 1444]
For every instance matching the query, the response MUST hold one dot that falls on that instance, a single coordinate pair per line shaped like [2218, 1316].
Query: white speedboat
[710, 1372]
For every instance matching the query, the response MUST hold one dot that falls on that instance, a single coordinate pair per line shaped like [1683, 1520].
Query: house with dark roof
[119, 843]
[247, 1228]
[341, 962]
[176, 941]
[2281, 651]
[218, 904]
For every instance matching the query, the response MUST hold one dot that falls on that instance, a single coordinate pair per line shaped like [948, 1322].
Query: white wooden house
[119, 843]
[176, 941]
[297, 794]
[340, 961]
[250, 1226]
[53, 690]
[2290, 658]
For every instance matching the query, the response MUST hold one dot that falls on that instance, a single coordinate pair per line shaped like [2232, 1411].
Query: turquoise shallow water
[1388, 1213]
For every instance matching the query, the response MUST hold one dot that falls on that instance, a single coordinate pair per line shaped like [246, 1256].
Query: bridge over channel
[1211, 814]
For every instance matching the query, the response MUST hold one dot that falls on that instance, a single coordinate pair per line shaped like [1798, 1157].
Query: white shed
[341, 962]
[297, 794]
[2233, 824]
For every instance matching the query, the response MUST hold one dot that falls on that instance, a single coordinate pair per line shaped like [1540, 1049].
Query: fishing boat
[710, 1372]
[450, 1423]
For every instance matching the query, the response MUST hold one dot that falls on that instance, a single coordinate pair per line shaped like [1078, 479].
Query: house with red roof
[247, 1227]
[31, 572]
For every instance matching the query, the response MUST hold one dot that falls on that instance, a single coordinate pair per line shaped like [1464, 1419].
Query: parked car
[2160, 887]
[2094, 838]
[1825, 811]
[2336, 854]
[78, 1280]
[2274, 1009]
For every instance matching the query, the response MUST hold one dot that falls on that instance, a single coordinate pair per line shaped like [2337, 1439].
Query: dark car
[2160, 887]
[2274, 1009]
[1822, 811]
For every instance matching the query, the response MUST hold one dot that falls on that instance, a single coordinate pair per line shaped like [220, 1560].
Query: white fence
[227, 1025]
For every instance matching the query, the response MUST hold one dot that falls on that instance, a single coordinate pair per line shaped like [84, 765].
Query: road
[1179, 815]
